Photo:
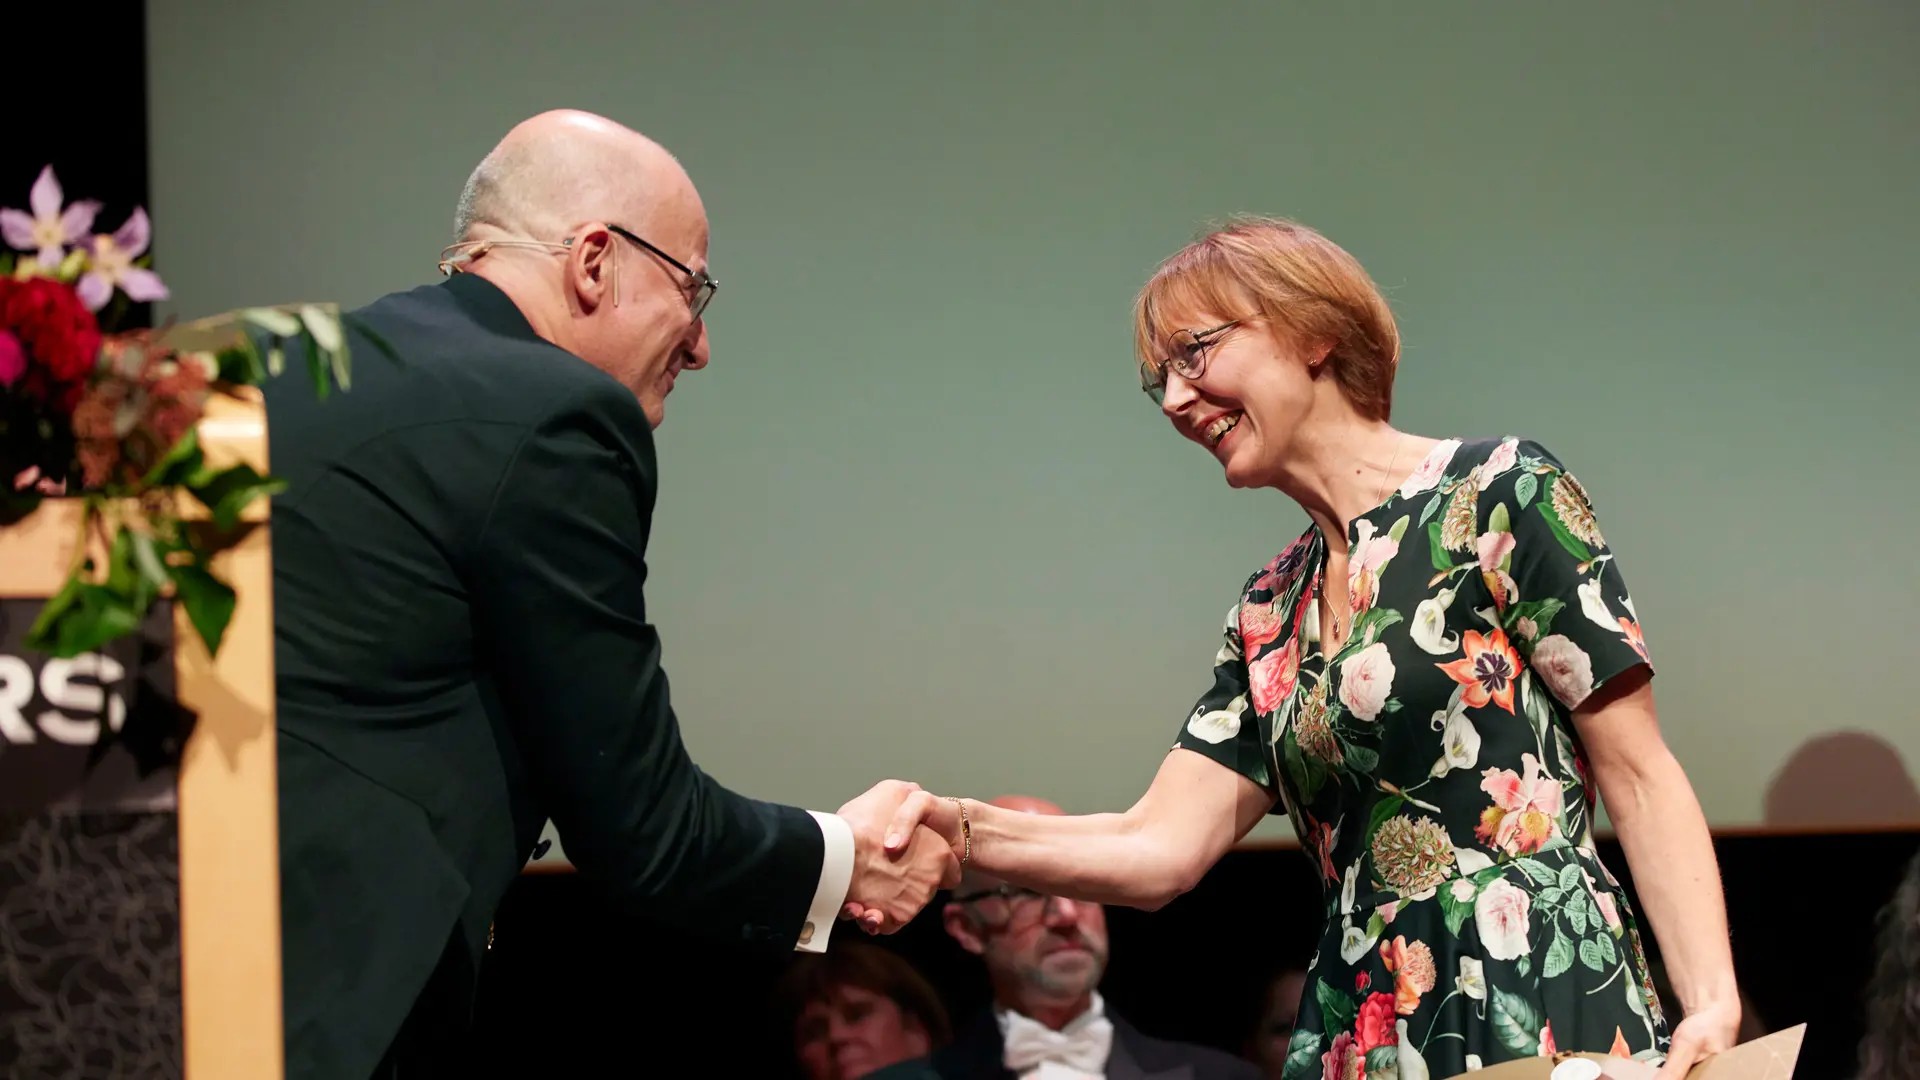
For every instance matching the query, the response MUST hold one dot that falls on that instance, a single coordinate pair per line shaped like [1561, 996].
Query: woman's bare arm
[1194, 811]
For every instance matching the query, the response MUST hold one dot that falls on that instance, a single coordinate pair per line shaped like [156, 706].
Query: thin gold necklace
[1339, 625]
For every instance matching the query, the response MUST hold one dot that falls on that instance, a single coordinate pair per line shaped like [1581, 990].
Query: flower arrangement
[110, 417]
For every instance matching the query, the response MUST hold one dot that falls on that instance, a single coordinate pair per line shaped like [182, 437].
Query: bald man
[1045, 956]
[463, 648]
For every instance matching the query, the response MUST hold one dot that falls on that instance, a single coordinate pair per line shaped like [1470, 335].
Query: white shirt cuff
[836, 877]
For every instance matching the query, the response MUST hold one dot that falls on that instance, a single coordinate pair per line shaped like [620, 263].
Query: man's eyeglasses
[999, 906]
[1186, 356]
[700, 285]
[698, 288]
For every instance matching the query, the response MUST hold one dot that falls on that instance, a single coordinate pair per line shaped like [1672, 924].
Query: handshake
[907, 844]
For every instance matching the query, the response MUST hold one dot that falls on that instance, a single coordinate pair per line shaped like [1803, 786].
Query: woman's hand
[1708, 1031]
[942, 815]
[922, 807]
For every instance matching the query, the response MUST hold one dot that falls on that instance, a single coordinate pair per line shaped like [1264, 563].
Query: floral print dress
[1433, 773]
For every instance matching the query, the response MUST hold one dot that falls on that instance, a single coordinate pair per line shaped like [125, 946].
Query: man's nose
[1062, 911]
[699, 352]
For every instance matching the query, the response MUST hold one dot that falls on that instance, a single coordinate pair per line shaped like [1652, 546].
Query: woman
[1433, 680]
[855, 1010]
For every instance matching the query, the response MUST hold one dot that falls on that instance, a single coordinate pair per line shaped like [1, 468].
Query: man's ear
[961, 928]
[593, 268]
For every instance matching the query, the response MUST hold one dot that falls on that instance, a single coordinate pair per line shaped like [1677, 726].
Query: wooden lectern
[139, 868]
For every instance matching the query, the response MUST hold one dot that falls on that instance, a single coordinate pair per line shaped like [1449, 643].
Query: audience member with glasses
[462, 646]
[1434, 681]
[1045, 955]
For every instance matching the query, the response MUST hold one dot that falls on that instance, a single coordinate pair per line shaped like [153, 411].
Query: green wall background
[917, 519]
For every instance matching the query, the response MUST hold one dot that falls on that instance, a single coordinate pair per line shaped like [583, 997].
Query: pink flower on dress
[1259, 624]
[1370, 552]
[48, 229]
[1340, 1062]
[1565, 667]
[1604, 901]
[1271, 678]
[1502, 459]
[1500, 915]
[1526, 810]
[1430, 470]
[1366, 681]
[1494, 547]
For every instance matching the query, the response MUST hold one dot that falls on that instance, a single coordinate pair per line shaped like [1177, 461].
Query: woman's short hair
[1295, 279]
[814, 976]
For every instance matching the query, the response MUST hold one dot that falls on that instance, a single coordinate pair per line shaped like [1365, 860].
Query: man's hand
[892, 882]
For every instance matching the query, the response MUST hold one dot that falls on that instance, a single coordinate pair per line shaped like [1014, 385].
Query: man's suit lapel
[977, 1051]
[1124, 1064]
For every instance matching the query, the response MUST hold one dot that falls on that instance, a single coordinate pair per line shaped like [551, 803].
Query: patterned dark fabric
[89, 856]
[1432, 768]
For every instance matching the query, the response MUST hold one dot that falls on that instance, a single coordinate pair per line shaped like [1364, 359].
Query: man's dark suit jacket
[978, 1053]
[463, 653]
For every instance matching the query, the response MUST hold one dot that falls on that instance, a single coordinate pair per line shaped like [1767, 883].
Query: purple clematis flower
[110, 265]
[49, 228]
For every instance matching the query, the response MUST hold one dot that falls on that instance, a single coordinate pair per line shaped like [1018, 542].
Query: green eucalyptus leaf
[272, 320]
[1515, 1023]
[84, 619]
[183, 463]
[43, 635]
[1303, 1051]
[317, 367]
[209, 603]
[1336, 1009]
[238, 365]
[228, 492]
[122, 575]
[146, 558]
[324, 325]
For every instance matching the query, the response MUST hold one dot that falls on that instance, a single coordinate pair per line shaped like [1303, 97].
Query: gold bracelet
[966, 831]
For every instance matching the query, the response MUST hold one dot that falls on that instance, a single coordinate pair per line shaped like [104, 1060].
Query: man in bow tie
[1045, 956]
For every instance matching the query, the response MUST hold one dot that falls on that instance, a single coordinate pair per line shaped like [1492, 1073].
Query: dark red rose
[61, 337]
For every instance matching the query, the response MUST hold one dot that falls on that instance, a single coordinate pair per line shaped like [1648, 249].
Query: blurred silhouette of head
[1845, 778]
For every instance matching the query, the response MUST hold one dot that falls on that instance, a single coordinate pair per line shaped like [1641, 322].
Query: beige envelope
[1770, 1057]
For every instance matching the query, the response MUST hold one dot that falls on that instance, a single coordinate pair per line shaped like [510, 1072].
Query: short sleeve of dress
[1222, 725]
[1555, 581]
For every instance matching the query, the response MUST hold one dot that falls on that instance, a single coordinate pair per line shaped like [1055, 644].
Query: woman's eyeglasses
[1186, 357]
